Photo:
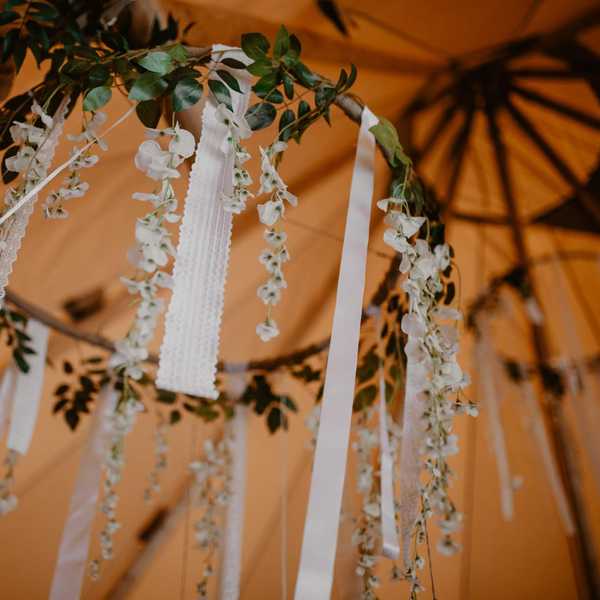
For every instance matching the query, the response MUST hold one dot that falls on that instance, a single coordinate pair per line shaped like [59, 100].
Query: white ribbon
[541, 436]
[579, 384]
[7, 394]
[485, 361]
[231, 567]
[74, 545]
[189, 351]
[389, 532]
[28, 390]
[410, 457]
[315, 576]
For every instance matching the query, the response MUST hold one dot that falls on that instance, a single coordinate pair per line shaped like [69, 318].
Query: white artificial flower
[270, 212]
[183, 143]
[269, 293]
[267, 330]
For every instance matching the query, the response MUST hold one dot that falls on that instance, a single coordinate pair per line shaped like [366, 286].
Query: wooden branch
[43, 316]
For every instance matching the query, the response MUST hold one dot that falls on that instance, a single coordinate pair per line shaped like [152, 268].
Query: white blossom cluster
[72, 185]
[431, 351]
[237, 129]
[276, 254]
[153, 250]
[366, 536]
[34, 155]
[161, 449]
[212, 491]
[8, 501]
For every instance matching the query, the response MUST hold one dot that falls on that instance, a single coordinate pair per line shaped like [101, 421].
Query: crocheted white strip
[13, 230]
[189, 351]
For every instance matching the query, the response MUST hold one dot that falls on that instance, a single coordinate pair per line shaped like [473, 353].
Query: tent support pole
[581, 543]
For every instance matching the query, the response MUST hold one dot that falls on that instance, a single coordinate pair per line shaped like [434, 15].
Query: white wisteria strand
[73, 186]
[270, 213]
[153, 250]
[436, 378]
[212, 494]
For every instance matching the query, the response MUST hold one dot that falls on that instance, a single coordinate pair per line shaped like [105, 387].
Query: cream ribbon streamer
[231, 568]
[541, 436]
[486, 361]
[74, 545]
[28, 390]
[189, 351]
[315, 576]
[7, 394]
[389, 532]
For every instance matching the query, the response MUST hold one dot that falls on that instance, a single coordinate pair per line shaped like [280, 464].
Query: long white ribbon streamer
[485, 361]
[231, 567]
[541, 437]
[315, 576]
[410, 457]
[74, 546]
[585, 401]
[28, 390]
[389, 532]
[7, 394]
[189, 351]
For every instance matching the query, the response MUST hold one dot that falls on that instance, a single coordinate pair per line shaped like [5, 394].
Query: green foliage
[76, 394]
[261, 398]
[13, 325]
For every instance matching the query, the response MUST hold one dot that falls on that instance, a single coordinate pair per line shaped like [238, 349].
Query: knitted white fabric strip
[13, 230]
[189, 351]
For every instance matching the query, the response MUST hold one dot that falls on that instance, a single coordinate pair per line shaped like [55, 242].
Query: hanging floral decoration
[88, 63]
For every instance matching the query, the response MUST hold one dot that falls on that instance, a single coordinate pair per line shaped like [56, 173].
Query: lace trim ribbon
[14, 221]
[28, 391]
[74, 546]
[315, 576]
[410, 458]
[189, 351]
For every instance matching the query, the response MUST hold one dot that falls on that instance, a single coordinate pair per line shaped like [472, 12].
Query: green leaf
[261, 67]
[303, 108]
[324, 96]
[364, 397]
[230, 80]
[260, 115]
[186, 93]
[59, 405]
[233, 63]
[295, 47]
[98, 75]
[178, 53]
[387, 137]
[166, 396]
[147, 87]
[67, 367]
[282, 43]
[450, 293]
[286, 119]
[72, 418]
[157, 62]
[274, 419]
[149, 112]
[22, 364]
[61, 389]
[96, 98]
[266, 84]
[174, 417]
[255, 45]
[43, 11]
[288, 86]
[305, 76]
[8, 16]
[19, 54]
[221, 92]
